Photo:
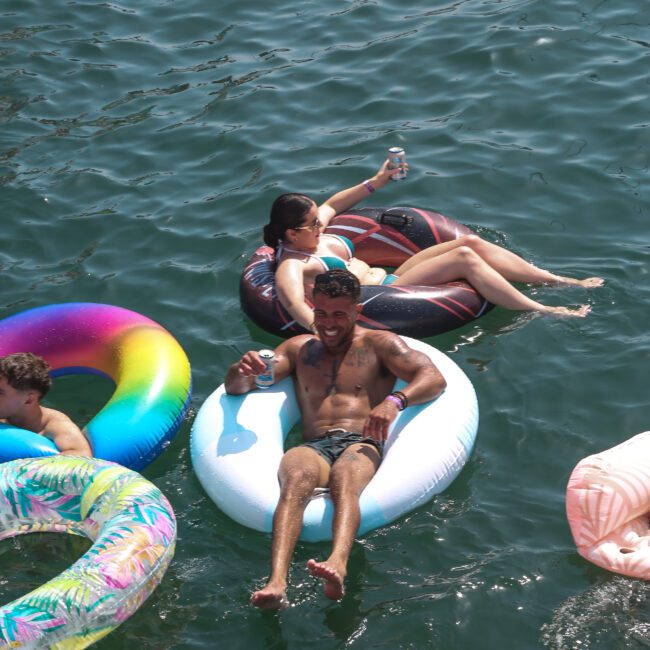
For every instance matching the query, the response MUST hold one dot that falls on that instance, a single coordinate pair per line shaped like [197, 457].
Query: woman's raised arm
[349, 197]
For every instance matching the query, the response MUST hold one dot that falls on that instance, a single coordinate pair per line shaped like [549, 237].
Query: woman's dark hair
[26, 371]
[287, 211]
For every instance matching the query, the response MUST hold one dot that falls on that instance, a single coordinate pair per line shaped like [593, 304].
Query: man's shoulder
[381, 339]
[297, 341]
[54, 420]
[301, 338]
[292, 347]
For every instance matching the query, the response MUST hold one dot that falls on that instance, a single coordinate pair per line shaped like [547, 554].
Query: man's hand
[379, 420]
[240, 377]
[251, 364]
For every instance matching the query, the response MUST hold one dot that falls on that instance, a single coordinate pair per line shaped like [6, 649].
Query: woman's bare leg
[464, 263]
[507, 264]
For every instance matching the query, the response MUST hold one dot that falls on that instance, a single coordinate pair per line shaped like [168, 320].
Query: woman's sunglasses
[313, 226]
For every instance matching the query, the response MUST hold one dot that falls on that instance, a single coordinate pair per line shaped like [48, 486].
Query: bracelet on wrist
[398, 398]
[400, 395]
[395, 400]
[369, 186]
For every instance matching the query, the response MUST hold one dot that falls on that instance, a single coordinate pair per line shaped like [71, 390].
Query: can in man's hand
[267, 377]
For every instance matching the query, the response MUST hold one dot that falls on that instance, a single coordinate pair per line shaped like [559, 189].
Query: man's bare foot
[270, 597]
[332, 579]
[561, 312]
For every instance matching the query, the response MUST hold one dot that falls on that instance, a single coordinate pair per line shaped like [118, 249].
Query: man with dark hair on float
[343, 376]
[24, 381]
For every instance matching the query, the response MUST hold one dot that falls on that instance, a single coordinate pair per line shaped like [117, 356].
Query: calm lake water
[141, 145]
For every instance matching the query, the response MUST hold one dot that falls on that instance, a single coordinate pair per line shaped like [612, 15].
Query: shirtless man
[24, 380]
[343, 378]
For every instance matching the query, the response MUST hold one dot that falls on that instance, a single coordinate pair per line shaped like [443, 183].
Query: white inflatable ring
[237, 443]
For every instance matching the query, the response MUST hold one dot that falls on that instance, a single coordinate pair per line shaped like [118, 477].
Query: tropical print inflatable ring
[133, 529]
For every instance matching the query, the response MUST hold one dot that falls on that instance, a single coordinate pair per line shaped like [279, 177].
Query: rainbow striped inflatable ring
[381, 237]
[133, 529]
[150, 370]
[608, 504]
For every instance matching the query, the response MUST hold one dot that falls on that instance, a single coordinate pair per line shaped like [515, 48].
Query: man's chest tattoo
[354, 361]
[331, 377]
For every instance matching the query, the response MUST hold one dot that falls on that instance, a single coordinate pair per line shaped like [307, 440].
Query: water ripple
[140, 149]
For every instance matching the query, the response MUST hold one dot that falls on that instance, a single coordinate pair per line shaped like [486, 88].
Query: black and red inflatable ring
[381, 237]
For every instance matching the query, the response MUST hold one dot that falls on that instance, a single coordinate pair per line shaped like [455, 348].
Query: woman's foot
[561, 312]
[586, 283]
[332, 578]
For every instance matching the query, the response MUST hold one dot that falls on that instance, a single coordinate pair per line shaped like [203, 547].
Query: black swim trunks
[336, 441]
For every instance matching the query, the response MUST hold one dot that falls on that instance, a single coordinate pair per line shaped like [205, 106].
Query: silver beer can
[267, 377]
[397, 158]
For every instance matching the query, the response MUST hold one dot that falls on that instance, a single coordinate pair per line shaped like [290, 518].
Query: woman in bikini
[303, 250]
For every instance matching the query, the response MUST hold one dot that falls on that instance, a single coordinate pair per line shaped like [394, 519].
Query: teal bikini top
[329, 262]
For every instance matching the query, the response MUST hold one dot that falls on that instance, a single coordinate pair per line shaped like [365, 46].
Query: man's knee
[300, 473]
[299, 476]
